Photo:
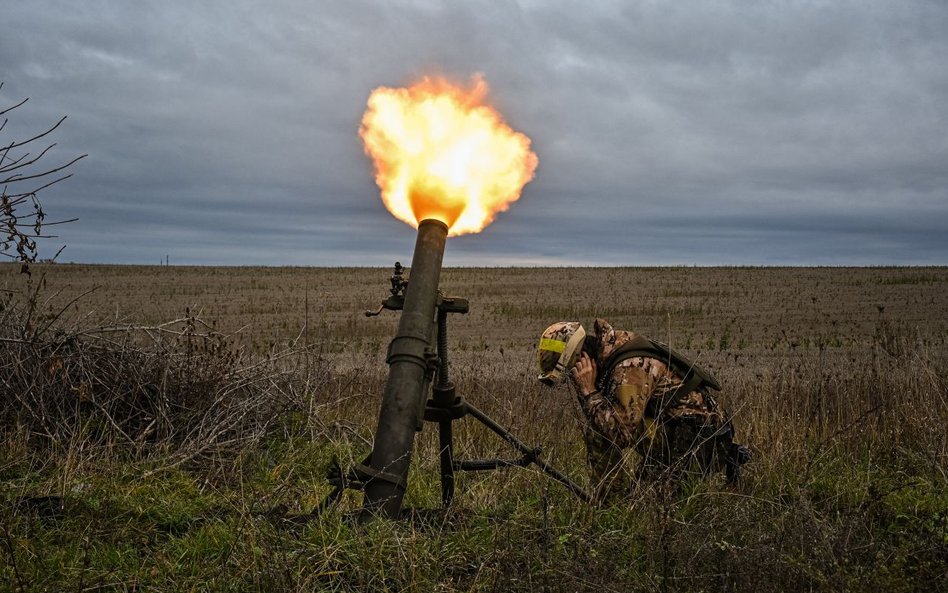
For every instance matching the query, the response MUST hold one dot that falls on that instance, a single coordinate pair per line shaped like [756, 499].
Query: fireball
[441, 151]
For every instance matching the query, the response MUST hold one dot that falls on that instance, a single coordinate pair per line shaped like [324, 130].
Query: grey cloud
[768, 132]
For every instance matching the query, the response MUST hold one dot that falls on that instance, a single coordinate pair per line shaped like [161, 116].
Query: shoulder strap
[640, 346]
[684, 366]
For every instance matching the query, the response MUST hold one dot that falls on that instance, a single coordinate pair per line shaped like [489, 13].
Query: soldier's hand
[584, 374]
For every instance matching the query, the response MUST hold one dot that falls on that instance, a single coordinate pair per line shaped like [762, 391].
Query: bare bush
[178, 387]
[22, 177]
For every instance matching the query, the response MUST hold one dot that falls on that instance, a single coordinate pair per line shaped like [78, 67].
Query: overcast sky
[667, 132]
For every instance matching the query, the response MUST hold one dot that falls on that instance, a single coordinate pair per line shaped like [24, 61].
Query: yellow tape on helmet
[552, 345]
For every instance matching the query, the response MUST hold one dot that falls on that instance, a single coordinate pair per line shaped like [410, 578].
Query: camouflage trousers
[679, 447]
[686, 445]
[607, 475]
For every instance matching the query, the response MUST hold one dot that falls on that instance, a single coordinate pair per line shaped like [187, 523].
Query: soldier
[641, 394]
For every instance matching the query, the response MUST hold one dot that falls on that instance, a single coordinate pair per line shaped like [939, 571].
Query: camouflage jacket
[622, 417]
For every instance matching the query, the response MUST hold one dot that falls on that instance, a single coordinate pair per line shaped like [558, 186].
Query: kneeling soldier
[639, 393]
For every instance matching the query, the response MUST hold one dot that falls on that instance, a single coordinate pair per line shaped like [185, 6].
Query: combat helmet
[560, 345]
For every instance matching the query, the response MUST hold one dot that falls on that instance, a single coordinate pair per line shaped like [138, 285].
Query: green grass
[836, 522]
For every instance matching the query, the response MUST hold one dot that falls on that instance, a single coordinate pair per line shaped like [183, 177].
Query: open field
[754, 310]
[836, 377]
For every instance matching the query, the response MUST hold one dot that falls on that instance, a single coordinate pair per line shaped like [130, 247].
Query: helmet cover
[560, 345]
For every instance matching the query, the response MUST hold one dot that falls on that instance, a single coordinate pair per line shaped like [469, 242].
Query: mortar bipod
[444, 407]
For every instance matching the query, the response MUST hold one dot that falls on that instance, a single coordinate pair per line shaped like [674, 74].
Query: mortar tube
[398, 415]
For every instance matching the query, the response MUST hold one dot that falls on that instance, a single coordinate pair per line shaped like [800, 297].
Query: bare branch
[33, 192]
[38, 136]
[18, 178]
[9, 109]
[3, 157]
[54, 223]
[17, 164]
[22, 218]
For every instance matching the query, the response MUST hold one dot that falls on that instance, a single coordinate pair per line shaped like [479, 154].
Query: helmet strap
[572, 346]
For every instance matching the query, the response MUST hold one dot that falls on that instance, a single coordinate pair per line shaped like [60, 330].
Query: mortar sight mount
[432, 399]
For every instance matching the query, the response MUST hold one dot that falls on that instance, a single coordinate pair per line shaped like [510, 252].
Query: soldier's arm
[614, 420]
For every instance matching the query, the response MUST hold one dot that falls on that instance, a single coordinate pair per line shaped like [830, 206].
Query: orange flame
[441, 152]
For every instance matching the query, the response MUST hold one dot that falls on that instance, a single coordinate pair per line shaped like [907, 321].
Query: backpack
[693, 376]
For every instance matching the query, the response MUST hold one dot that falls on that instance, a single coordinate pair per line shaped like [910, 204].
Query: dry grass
[788, 343]
[836, 378]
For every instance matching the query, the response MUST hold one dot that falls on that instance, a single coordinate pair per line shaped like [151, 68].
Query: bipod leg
[341, 479]
[331, 499]
[446, 446]
[443, 396]
[528, 451]
[336, 475]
